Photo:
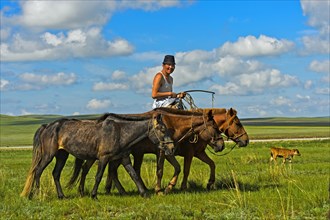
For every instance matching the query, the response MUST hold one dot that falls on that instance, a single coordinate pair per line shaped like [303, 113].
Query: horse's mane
[179, 111]
[136, 117]
[214, 110]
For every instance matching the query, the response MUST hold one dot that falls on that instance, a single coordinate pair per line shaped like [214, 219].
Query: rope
[188, 98]
[221, 154]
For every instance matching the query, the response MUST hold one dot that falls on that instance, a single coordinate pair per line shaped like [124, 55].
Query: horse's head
[233, 128]
[162, 135]
[211, 133]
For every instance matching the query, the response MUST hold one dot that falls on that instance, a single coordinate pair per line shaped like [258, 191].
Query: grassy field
[247, 186]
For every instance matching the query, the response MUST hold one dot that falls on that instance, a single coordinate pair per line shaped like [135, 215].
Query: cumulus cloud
[75, 43]
[118, 75]
[3, 84]
[101, 86]
[71, 14]
[323, 91]
[96, 104]
[281, 101]
[252, 46]
[49, 80]
[320, 66]
[317, 13]
[256, 83]
[308, 84]
[40, 15]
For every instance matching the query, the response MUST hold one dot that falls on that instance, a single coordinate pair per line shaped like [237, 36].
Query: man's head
[169, 59]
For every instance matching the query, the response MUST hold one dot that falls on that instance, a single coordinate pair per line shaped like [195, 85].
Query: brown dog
[282, 152]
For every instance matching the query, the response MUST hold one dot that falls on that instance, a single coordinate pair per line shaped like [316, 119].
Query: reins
[191, 130]
[221, 154]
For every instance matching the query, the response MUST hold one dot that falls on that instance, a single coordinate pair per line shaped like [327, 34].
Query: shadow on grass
[228, 184]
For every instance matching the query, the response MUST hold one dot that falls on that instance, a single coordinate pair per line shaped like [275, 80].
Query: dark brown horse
[227, 123]
[185, 125]
[105, 140]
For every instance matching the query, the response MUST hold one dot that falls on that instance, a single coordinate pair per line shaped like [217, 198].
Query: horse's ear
[210, 114]
[232, 111]
[157, 119]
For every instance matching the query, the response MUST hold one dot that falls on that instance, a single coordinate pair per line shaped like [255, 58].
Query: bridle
[195, 136]
[229, 122]
[161, 142]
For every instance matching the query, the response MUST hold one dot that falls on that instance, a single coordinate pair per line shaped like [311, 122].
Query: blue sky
[263, 58]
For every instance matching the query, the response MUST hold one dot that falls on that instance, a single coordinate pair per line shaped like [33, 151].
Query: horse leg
[113, 176]
[76, 170]
[206, 159]
[61, 157]
[160, 166]
[177, 170]
[46, 159]
[126, 161]
[186, 169]
[111, 173]
[85, 169]
[100, 170]
[138, 159]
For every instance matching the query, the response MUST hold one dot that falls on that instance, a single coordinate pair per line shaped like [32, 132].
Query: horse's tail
[36, 158]
[75, 175]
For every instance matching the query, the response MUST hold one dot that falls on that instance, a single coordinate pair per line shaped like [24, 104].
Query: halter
[192, 131]
[161, 142]
[229, 124]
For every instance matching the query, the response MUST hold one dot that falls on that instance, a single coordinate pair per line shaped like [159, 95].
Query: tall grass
[247, 186]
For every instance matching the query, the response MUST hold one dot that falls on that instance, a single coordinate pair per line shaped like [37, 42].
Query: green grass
[247, 186]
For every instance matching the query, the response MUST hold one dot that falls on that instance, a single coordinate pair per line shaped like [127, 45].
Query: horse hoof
[159, 193]
[144, 195]
[210, 186]
[168, 190]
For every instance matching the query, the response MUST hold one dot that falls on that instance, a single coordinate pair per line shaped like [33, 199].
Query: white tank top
[167, 86]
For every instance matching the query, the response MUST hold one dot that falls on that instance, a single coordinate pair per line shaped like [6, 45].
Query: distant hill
[272, 121]
[287, 121]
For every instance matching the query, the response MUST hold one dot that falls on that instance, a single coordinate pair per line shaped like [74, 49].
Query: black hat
[169, 59]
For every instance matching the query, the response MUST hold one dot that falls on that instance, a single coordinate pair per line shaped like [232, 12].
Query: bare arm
[155, 94]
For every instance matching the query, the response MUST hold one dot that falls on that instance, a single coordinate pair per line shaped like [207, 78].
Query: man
[163, 85]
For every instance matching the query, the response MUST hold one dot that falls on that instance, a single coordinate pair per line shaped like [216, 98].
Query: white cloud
[323, 91]
[318, 14]
[76, 43]
[232, 66]
[315, 44]
[303, 98]
[63, 14]
[3, 84]
[96, 104]
[281, 101]
[118, 75]
[318, 18]
[101, 86]
[256, 83]
[46, 80]
[308, 84]
[252, 46]
[40, 15]
[320, 66]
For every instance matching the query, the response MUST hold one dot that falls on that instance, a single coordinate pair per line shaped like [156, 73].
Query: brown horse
[230, 125]
[105, 140]
[184, 124]
[227, 123]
